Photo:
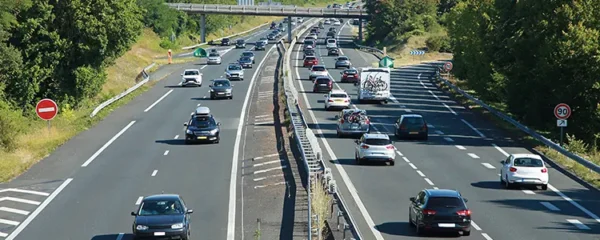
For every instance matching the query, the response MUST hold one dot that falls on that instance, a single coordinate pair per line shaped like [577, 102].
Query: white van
[374, 85]
[331, 43]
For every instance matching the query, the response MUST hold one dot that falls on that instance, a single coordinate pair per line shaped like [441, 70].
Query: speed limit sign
[562, 111]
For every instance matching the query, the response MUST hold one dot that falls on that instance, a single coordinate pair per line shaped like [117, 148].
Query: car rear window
[187, 73]
[444, 202]
[528, 162]
[310, 58]
[342, 58]
[318, 69]
[377, 141]
[308, 42]
[351, 72]
[331, 41]
[248, 54]
[338, 95]
[213, 55]
[323, 80]
[413, 121]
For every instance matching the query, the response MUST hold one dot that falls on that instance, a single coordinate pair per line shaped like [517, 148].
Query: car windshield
[322, 80]
[213, 55]
[338, 95]
[351, 72]
[203, 121]
[221, 84]
[188, 73]
[342, 59]
[245, 59]
[308, 42]
[333, 50]
[331, 41]
[413, 121]
[444, 202]
[225, 40]
[263, 39]
[240, 41]
[248, 54]
[528, 162]
[162, 207]
[318, 69]
[377, 141]
[235, 67]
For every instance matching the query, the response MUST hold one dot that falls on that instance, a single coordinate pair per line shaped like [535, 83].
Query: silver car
[249, 54]
[352, 122]
[214, 58]
[342, 61]
[235, 72]
[375, 147]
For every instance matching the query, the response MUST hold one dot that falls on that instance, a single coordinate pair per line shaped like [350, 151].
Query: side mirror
[182, 74]
[341, 73]
[337, 117]
[185, 124]
[466, 200]
[357, 141]
[218, 124]
[502, 162]
[324, 95]
[210, 85]
[133, 214]
[190, 211]
[412, 199]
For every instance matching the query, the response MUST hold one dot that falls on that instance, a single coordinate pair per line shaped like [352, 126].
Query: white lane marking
[399, 153]
[550, 206]
[157, 101]
[475, 226]
[266, 156]
[263, 116]
[265, 163]
[340, 168]
[166, 152]
[473, 155]
[270, 169]
[86, 163]
[272, 176]
[578, 224]
[420, 173]
[436, 188]
[474, 129]
[12, 210]
[9, 222]
[38, 210]
[14, 199]
[3, 234]
[270, 185]
[120, 236]
[436, 97]
[500, 149]
[407, 110]
[236, 147]
[263, 123]
[24, 191]
[419, 77]
[176, 137]
[429, 181]
[406, 159]
[486, 236]
[412, 166]
[48, 109]
[592, 215]
[203, 66]
[450, 109]
[154, 172]
[139, 200]
[449, 139]
[439, 132]
[527, 191]
[487, 165]
[461, 147]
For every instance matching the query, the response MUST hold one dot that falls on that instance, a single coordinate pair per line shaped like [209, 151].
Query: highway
[463, 152]
[87, 188]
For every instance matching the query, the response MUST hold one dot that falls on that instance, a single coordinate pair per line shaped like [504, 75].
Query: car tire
[212, 97]
[339, 134]
[230, 98]
[218, 139]
[507, 184]
[545, 187]
[392, 163]
[501, 181]
[426, 137]
[418, 229]
[186, 142]
[466, 233]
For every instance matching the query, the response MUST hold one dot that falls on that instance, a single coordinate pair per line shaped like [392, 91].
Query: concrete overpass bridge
[283, 11]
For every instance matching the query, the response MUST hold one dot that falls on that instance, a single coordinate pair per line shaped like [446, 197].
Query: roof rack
[202, 111]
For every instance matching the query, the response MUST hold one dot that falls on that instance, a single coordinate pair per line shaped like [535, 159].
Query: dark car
[333, 52]
[322, 84]
[309, 52]
[314, 31]
[330, 34]
[246, 62]
[411, 126]
[202, 127]
[163, 215]
[221, 88]
[225, 42]
[260, 45]
[332, 29]
[310, 61]
[240, 43]
[349, 76]
[273, 25]
[271, 36]
[440, 210]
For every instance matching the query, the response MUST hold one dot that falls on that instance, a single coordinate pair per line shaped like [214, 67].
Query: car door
[417, 206]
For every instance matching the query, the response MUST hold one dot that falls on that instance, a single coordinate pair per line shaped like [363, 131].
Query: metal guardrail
[269, 10]
[378, 53]
[230, 36]
[145, 76]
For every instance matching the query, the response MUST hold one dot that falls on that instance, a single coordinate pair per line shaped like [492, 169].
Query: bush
[11, 124]
[166, 43]
[438, 43]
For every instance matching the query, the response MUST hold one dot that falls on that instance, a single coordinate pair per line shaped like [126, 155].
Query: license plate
[447, 225]
[322, 84]
[220, 93]
[414, 133]
[159, 233]
[202, 137]
[339, 100]
[354, 127]
[350, 75]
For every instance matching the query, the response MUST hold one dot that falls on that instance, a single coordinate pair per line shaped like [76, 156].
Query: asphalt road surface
[87, 188]
[463, 152]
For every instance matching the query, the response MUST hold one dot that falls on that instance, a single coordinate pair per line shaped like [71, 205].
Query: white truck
[374, 85]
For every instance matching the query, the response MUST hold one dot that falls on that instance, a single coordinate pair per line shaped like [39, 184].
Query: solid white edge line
[550, 206]
[120, 236]
[474, 129]
[234, 166]
[86, 163]
[139, 200]
[157, 101]
[38, 210]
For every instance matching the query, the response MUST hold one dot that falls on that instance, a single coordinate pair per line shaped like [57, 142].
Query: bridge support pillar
[360, 30]
[289, 28]
[203, 28]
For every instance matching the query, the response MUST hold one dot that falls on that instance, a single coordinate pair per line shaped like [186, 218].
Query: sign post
[46, 109]
[562, 111]
[170, 55]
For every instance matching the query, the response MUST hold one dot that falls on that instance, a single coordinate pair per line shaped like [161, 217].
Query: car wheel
[501, 181]
[392, 163]
[187, 141]
[339, 134]
[218, 139]
[253, 62]
[410, 222]
[507, 183]
[418, 229]
[466, 233]
[545, 187]
[212, 97]
[358, 161]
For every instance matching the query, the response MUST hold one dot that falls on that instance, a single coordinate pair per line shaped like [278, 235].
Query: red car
[323, 84]
[310, 61]
[349, 76]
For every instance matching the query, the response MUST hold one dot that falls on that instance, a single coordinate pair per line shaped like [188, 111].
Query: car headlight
[228, 90]
[177, 226]
[227, 74]
[141, 227]
[214, 131]
[188, 131]
[212, 90]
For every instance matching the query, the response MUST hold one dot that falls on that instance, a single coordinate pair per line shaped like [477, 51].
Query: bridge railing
[217, 8]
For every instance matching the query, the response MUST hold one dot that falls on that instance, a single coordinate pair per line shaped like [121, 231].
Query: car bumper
[246, 65]
[382, 157]
[161, 233]
[338, 104]
[416, 134]
[192, 83]
[309, 64]
[220, 94]
[351, 80]
[235, 77]
[201, 138]
[213, 61]
[435, 226]
[240, 46]
[527, 180]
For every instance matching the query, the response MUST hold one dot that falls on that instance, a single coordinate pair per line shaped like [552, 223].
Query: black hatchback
[323, 84]
[162, 216]
[441, 210]
[411, 126]
[225, 42]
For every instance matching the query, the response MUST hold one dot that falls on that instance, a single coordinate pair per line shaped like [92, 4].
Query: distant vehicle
[273, 25]
[245, 62]
[312, 36]
[331, 43]
[349, 75]
[322, 84]
[265, 41]
[330, 35]
[162, 215]
[333, 52]
[318, 71]
[375, 147]
[374, 85]
[240, 43]
[439, 210]
[411, 126]
[221, 88]
[310, 61]
[337, 99]
[191, 77]
[260, 45]
[225, 42]
[327, 22]
[271, 36]
[235, 72]
[343, 62]
[332, 29]
[337, 23]
[353, 122]
[249, 54]
[524, 169]
[300, 19]
[202, 127]
[214, 58]
[309, 52]
[309, 42]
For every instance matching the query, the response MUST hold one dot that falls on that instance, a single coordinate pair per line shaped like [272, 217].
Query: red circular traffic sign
[448, 66]
[562, 111]
[46, 109]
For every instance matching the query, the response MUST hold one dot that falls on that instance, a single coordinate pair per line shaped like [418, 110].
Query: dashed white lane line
[430, 126]
[272, 176]
[412, 166]
[157, 101]
[266, 163]
[166, 152]
[577, 205]
[550, 206]
[3, 234]
[450, 109]
[486, 236]
[475, 226]
[487, 165]
[474, 129]
[139, 200]
[436, 97]
[449, 139]
[500, 149]
[406, 159]
[473, 155]
[420, 173]
[176, 137]
[527, 191]
[399, 153]
[270, 169]
[87, 162]
[266, 156]
[12, 210]
[461, 147]
[270, 185]
[439, 132]
[154, 172]
[578, 224]
[429, 181]
[120, 236]
[9, 222]
[436, 188]
[24, 191]
[14, 199]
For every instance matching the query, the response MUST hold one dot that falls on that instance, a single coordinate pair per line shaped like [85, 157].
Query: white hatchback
[524, 169]
[337, 99]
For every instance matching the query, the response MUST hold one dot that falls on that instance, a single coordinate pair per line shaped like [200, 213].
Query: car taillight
[464, 213]
[429, 212]
[402, 126]
[390, 147]
[512, 169]
[342, 121]
[424, 128]
[345, 75]
[367, 121]
[330, 100]
[330, 84]
[346, 100]
[365, 146]
[544, 170]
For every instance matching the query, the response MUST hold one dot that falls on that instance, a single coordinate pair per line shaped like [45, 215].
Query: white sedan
[524, 169]
[336, 99]
[337, 23]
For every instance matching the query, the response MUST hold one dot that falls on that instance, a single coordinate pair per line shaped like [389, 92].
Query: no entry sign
[46, 109]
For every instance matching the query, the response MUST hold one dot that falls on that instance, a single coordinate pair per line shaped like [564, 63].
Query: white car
[300, 20]
[375, 147]
[214, 58]
[327, 22]
[265, 41]
[318, 71]
[337, 99]
[524, 169]
[191, 77]
[337, 23]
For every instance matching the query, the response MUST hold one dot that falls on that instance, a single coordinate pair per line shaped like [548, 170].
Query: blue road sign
[417, 52]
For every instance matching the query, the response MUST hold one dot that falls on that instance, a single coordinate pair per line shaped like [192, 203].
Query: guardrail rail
[268, 10]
